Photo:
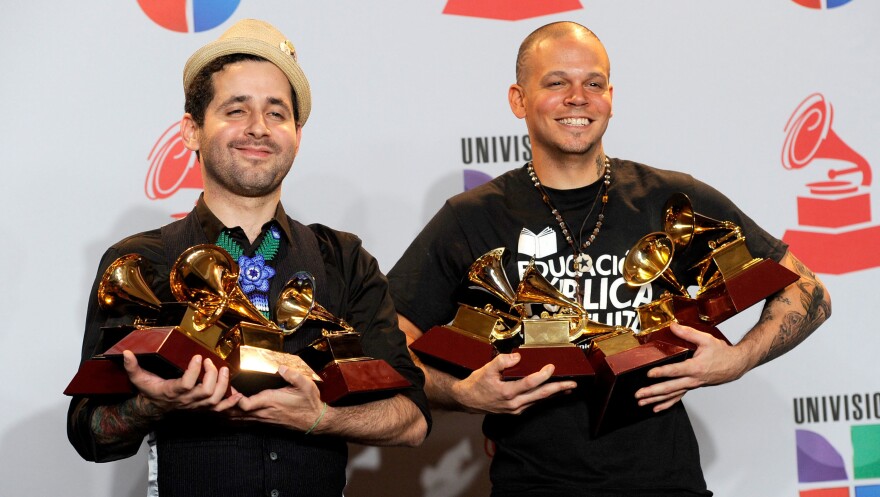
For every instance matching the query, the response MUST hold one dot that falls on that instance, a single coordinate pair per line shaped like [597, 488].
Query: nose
[257, 126]
[577, 96]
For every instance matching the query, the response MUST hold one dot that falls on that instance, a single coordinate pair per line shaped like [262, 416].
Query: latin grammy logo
[835, 235]
[509, 10]
[172, 167]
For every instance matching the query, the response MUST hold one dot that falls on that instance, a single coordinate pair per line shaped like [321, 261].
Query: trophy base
[359, 381]
[164, 351]
[619, 376]
[666, 335]
[258, 369]
[569, 361]
[100, 376]
[745, 289]
[452, 351]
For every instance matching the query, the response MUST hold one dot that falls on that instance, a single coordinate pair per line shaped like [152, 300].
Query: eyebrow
[237, 99]
[590, 75]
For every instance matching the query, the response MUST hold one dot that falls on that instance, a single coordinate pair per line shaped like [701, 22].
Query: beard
[244, 177]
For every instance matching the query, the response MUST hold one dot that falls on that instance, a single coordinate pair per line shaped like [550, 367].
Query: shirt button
[273, 456]
[274, 493]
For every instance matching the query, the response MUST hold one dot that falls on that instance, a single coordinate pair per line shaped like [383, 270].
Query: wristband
[323, 410]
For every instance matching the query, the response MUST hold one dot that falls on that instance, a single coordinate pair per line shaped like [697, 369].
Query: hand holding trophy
[213, 318]
[469, 342]
[347, 375]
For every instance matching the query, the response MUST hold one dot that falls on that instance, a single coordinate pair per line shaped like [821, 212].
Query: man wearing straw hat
[247, 101]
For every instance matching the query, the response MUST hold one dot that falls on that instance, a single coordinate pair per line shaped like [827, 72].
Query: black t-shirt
[549, 446]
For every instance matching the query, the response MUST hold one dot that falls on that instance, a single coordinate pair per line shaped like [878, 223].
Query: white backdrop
[703, 87]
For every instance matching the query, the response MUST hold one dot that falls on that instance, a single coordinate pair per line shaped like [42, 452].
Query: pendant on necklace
[583, 263]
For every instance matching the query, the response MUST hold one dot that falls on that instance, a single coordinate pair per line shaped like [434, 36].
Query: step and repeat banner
[774, 102]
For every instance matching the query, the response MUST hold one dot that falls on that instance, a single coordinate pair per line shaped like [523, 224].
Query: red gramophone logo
[509, 10]
[835, 235]
[172, 167]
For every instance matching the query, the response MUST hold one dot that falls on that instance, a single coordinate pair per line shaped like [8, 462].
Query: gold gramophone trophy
[730, 280]
[212, 318]
[650, 260]
[553, 338]
[347, 375]
[206, 278]
[163, 350]
[622, 359]
[469, 342]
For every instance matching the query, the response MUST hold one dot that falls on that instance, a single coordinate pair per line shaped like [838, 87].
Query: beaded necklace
[255, 274]
[583, 263]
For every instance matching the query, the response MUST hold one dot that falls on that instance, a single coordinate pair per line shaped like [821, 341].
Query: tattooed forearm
[797, 322]
[132, 418]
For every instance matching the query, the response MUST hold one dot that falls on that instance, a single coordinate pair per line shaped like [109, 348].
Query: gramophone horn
[488, 273]
[650, 259]
[681, 223]
[206, 276]
[123, 281]
[296, 302]
[535, 289]
[810, 136]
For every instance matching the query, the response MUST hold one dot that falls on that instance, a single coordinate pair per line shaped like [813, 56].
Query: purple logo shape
[817, 459]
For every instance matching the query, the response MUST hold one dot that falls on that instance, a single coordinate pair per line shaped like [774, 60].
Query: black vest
[203, 454]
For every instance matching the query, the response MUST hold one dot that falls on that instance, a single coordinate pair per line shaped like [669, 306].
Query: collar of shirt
[213, 226]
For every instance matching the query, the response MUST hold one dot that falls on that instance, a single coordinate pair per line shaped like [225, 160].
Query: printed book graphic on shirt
[538, 246]
[604, 293]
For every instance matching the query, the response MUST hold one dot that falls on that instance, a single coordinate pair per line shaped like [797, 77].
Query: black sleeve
[424, 280]
[79, 413]
[370, 310]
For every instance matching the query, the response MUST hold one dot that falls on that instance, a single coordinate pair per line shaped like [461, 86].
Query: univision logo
[833, 464]
[188, 16]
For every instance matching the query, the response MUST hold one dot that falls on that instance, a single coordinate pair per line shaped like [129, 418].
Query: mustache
[268, 144]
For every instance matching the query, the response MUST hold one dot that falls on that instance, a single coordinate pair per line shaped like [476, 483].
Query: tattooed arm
[788, 318]
[113, 431]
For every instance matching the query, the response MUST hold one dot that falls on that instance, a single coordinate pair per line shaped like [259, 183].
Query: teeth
[575, 121]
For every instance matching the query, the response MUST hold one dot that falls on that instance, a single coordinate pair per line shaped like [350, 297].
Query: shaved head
[549, 31]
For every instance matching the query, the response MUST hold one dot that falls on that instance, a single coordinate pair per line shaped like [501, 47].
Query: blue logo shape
[208, 14]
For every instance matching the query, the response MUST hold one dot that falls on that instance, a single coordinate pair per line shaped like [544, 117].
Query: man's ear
[189, 132]
[516, 96]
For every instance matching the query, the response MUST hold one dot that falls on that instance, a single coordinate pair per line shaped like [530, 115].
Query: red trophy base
[569, 361]
[165, 351]
[455, 352]
[358, 381]
[100, 377]
[666, 335]
[619, 376]
[745, 289]
[836, 253]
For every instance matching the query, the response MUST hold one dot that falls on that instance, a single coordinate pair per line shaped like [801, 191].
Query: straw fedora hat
[254, 37]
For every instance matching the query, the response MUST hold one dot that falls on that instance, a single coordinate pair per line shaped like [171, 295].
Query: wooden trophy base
[619, 376]
[569, 360]
[453, 351]
[748, 287]
[359, 381]
[100, 376]
[258, 369]
[666, 335]
[165, 351]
